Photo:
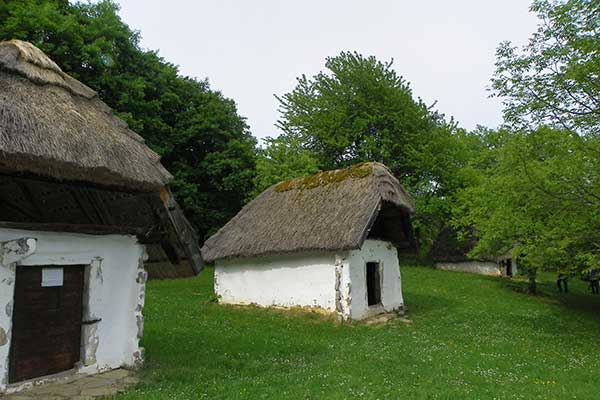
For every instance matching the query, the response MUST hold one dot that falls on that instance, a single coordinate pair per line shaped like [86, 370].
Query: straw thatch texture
[332, 210]
[53, 125]
[448, 247]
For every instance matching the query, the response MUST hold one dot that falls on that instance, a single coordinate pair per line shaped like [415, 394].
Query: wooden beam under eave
[183, 229]
[32, 199]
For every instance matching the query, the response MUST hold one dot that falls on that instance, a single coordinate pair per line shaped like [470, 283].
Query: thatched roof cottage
[451, 253]
[81, 196]
[330, 241]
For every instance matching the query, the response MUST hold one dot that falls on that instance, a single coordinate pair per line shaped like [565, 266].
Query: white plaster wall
[476, 267]
[306, 280]
[334, 282]
[391, 289]
[115, 288]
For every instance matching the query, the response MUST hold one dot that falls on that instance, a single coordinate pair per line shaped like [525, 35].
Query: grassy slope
[472, 337]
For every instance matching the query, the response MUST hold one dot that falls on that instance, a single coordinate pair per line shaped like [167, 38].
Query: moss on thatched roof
[329, 211]
[54, 126]
[325, 178]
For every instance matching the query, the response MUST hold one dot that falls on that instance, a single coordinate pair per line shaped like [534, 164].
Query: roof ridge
[25, 59]
[31, 54]
[327, 177]
[53, 125]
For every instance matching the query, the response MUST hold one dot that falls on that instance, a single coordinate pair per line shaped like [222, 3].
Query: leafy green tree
[554, 79]
[362, 110]
[203, 140]
[537, 194]
[281, 159]
[537, 188]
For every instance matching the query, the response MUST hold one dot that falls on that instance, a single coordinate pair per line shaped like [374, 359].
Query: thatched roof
[333, 210]
[54, 126]
[449, 247]
[55, 134]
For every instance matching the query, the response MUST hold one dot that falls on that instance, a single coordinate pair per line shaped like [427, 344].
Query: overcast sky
[250, 50]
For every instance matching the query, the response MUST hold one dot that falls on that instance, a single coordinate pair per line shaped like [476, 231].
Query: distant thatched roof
[333, 210]
[53, 125]
[449, 246]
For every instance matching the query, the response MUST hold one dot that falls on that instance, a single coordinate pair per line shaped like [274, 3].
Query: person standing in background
[594, 278]
[562, 280]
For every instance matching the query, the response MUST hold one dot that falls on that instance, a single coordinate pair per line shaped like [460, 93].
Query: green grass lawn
[472, 337]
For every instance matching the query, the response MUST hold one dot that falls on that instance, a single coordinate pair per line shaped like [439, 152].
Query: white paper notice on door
[52, 277]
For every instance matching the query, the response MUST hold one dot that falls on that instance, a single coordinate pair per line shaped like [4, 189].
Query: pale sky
[251, 50]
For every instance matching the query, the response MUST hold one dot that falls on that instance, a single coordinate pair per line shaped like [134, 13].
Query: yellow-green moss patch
[326, 177]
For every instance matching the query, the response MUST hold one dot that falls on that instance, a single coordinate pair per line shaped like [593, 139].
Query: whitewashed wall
[305, 280]
[391, 289]
[333, 282]
[114, 293]
[476, 267]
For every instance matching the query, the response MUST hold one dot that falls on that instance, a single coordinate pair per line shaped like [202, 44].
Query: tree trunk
[532, 286]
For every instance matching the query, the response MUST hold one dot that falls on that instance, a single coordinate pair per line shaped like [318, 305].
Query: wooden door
[46, 334]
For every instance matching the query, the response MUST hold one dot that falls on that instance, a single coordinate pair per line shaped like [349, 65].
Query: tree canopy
[536, 183]
[203, 140]
[281, 159]
[536, 195]
[554, 80]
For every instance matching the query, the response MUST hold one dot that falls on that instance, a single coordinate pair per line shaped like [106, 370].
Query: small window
[373, 283]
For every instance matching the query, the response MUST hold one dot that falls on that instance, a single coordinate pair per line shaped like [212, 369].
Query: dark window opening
[373, 283]
[509, 267]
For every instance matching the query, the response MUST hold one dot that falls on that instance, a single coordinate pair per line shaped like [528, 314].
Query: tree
[536, 194]
[540, 192]
[555, 79]
[362, 110]
[281, 159]
[203, 140]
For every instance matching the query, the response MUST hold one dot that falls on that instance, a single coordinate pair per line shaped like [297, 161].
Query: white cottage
[451, 253]
[329, 241]
[81, 196]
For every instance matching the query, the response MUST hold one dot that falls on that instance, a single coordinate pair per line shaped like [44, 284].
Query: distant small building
[329, 240]
[81, 198]
[451, 254]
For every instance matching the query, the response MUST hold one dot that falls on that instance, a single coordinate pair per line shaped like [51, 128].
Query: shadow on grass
[578, 299]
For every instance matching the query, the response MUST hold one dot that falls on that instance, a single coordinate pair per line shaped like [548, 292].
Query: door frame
[380, 283]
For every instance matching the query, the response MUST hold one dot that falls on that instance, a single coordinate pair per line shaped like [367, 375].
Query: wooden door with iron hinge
[47, 319]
